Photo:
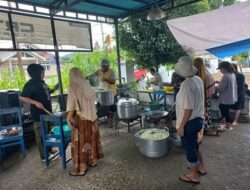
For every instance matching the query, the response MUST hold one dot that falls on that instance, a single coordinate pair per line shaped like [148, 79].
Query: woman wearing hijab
[37, 93]
[86, 145]
[189, 114]
[208, 83]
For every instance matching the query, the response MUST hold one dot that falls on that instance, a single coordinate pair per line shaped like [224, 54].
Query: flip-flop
[199, 172]
[188, 179]
[212, 134]
[202, 173]
[72, 173]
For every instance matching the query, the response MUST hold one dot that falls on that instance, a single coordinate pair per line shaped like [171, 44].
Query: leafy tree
[89, 63]
[150, 44]
[215, 4]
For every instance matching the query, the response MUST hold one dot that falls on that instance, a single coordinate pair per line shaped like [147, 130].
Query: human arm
[223, 84]
[110, 80]
[28, 94]
[70, 119]
[185, 119]
[55, 88]
[31, 101]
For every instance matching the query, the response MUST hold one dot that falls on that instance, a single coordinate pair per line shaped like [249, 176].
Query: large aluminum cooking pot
[104, 97]
[153, 142]
[127, 108]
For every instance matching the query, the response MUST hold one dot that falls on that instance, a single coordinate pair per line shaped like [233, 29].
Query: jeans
[190, 142]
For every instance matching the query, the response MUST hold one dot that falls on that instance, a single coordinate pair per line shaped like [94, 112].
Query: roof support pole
[118, 49]
[61, 97]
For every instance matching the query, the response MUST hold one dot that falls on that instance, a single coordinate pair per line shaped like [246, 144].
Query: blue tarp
[230, 49]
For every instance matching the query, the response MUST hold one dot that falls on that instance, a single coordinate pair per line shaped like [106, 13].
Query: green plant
[12, 81]
[89, 63]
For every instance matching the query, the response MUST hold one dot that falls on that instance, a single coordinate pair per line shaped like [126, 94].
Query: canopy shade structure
[73, 12]
[230, 49]
[107, 8]
[222, 32]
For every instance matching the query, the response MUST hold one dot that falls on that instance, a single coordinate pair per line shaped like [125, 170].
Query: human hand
[180, 131]
[56, 87]
[39, 105]
[71, 122]
[200, 135]
[104, 79]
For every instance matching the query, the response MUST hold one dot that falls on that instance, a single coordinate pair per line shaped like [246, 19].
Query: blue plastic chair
[51, 140]
[14, 116]
[158, 95]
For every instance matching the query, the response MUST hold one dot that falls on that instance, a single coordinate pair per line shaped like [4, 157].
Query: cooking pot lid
[102, 90]
[128, 101]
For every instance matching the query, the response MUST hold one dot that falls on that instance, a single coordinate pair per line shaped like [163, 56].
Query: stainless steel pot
[104, 97]
[127, 108]
[155, 147]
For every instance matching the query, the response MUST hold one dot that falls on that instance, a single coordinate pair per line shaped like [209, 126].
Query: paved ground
[227, 160]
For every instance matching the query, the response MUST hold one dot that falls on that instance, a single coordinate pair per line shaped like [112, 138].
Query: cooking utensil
[127, 108]
[157, 114]
[47, 111]
[153, 147]
[104, 97]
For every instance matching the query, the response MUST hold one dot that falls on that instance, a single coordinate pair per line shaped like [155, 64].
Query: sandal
[202, 173]
[212, 133]
[187, 179]
[234, 124]
[73, 173]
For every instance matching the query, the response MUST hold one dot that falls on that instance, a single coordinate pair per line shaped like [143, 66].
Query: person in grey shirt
[157, 78]
[227, 90]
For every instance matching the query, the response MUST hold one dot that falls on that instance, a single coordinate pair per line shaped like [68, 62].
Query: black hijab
[35, 71]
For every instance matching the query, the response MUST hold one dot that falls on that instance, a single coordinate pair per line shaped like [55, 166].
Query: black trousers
[224, 110]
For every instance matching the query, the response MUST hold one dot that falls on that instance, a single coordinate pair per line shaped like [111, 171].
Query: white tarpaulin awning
[222, 32]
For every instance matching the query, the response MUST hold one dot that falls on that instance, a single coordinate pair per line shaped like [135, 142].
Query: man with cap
[189, 114]
[37, 93]
[107, 81]
[106, 76]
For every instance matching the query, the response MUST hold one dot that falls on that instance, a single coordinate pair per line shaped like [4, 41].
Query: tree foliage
[89, 63]
[152, 43]
[215, 4]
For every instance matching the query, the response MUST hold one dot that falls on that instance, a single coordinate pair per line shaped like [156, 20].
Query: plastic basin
[66, 130]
